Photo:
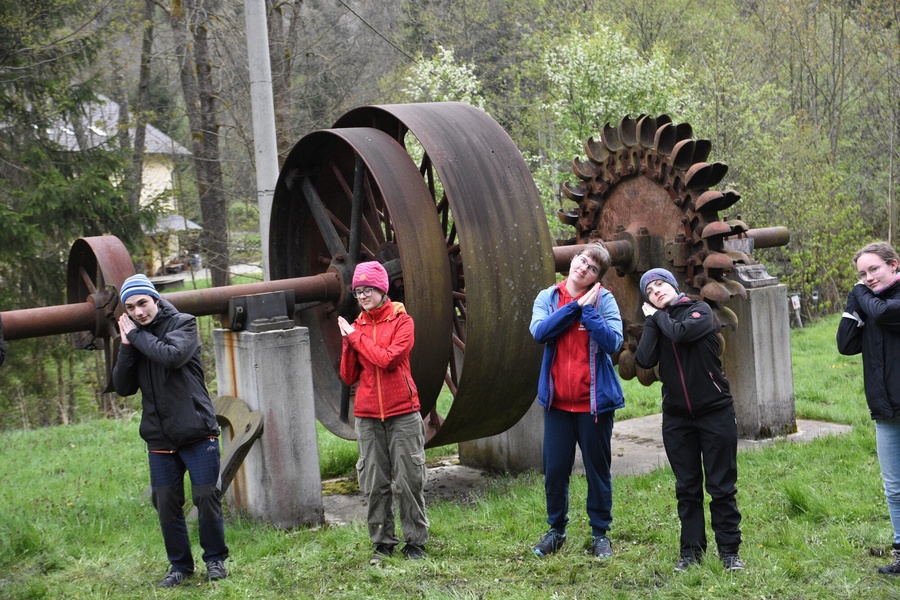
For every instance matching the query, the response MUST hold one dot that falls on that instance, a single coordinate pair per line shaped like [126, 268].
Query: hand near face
[648, 309]
[590, 297]
[125, 326]
[345, 327]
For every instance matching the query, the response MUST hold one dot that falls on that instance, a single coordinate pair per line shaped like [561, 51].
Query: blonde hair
[883, 250]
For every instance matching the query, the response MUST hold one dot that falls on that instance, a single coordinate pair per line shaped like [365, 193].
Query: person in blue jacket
[579, 324]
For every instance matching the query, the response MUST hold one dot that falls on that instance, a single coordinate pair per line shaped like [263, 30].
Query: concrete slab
[636, 445]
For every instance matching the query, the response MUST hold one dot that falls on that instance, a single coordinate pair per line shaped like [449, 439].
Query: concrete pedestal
[279, 482]
[515, 450]
[757, 362]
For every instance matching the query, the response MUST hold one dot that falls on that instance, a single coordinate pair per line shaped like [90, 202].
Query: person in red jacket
[389, 429]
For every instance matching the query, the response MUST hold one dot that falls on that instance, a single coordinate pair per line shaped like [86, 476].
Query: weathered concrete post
[757, 362]
[279, 482]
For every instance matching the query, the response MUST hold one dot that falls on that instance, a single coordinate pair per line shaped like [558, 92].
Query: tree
[596, 79]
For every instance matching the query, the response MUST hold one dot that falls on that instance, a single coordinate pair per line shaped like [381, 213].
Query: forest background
[800, 98]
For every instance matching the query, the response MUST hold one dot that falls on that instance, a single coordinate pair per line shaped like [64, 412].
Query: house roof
[102, 120]
[171, 222]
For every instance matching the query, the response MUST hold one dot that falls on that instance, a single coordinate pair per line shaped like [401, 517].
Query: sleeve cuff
[854, 316]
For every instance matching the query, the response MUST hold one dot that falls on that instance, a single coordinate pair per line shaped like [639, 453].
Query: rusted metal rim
[313, 226]
[502, 258]
[97, 268]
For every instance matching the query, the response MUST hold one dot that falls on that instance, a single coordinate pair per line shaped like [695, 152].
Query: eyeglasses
[362, 292]
[871, 271]
[582, 261]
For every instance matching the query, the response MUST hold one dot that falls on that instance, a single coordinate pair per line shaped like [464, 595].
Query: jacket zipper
[378, 373]
[714, 381]
[687, 399]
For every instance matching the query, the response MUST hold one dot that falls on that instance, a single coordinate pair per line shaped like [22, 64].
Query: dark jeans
[694, 446]
[201, 461]
[562, 430]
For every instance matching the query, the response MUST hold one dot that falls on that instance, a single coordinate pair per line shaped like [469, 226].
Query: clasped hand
[648, 309]
[345, 327]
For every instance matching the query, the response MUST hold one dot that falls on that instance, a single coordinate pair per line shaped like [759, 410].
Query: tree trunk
[196, 86]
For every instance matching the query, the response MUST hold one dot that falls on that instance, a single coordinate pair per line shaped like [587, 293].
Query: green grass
[75, 521]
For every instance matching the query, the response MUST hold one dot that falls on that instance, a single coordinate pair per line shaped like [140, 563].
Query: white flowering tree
[594, 79]
[440, 78]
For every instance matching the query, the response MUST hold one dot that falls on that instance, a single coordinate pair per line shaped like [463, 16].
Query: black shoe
[732, 562]
[173, 578]
[550, 543]
[382, 551]
[685, 562]
[600, 546]
[413, 552]
[215, 570]
[894, 567]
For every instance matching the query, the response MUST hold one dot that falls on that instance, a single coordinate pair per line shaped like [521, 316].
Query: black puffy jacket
[879, 341]
[681, 338]
[163, 361]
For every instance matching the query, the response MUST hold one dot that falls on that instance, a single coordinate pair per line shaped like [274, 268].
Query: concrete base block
[757, 362]
[516, 450]
[279, 482]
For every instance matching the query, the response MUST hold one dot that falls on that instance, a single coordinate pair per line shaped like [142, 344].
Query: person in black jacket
[871, 326]
[698, 424]
[160, 355]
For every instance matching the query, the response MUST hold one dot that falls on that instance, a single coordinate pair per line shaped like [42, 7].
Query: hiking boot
[550, 543]
[600, 546]
[685, 562]
[413, 552]
[894, 567]
[215, 570]
[382, 551]
[173, 578]
[732, 562]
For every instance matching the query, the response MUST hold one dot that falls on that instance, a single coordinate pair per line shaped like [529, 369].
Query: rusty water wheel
[647, 178]
[97, 268]
[499, 248]
[352, 195]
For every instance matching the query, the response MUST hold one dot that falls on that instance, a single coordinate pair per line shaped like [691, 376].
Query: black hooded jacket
[163, 361]
[877, 335]
[681, 338]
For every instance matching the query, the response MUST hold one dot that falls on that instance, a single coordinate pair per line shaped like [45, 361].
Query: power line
[378, 33]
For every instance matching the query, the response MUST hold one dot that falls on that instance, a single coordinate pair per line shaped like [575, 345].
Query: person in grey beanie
[160, 355]
[698, 423]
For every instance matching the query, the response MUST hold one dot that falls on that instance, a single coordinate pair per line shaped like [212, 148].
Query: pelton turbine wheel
[647, 181]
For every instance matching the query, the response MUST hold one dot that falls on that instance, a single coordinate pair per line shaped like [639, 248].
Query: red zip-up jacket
[376, 355]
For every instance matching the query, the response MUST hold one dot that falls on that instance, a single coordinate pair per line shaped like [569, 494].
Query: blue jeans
[887, 439]
[201, 461]
[592, 433]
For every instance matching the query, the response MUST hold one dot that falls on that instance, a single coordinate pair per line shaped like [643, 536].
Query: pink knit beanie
[370, 274]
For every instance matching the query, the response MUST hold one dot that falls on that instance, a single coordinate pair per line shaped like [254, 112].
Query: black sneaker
[382, 551]
[215, 570]
[894, 567]
[600, 547]
[685, 562]
[173, 578]
[413, 552]
[550, 543]
[732, 562]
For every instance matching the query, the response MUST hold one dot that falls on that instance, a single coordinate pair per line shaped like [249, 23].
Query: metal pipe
[83, 316]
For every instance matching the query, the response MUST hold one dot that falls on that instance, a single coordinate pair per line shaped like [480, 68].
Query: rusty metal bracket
[246, 427]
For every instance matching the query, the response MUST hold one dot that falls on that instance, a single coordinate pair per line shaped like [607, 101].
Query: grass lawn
[76, 522]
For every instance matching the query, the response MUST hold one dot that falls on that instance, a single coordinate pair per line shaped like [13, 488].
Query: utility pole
[263, 107]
